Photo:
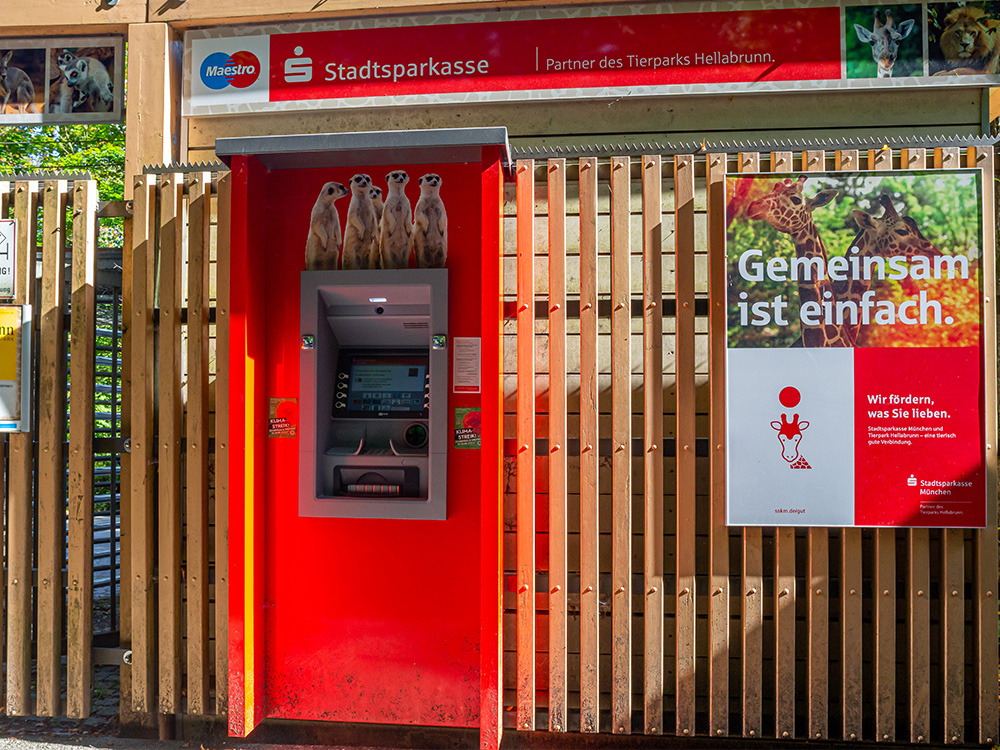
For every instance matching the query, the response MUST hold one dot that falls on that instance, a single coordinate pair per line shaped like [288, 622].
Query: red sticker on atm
[283, 418]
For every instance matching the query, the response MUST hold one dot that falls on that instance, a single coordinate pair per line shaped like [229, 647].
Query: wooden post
[152, 119]
[589, 458]
[51, 431]
[652, 378]
[558, 574]
[686, 612]
[79, 596]
[621, 442]
[526, 445]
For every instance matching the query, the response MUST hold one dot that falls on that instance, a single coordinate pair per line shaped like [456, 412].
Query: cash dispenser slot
[374, 387]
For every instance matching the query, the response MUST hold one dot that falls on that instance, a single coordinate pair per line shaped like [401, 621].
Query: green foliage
[97, 149]
[910, 61]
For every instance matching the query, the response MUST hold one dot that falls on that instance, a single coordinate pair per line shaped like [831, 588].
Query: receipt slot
[361, 463]
[373, 394]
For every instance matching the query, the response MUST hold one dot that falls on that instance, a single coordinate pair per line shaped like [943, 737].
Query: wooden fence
[630, 606]
[49, 490]
[174, 613]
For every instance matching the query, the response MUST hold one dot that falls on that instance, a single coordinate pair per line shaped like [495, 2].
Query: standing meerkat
[376, 195]
[323, 244]
[397, 224]
[430, 224]
[360, 232]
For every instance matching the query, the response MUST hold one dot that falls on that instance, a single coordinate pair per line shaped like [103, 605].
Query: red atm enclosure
[364, 439]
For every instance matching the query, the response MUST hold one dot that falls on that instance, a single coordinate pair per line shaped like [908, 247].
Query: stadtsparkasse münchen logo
[241, 69]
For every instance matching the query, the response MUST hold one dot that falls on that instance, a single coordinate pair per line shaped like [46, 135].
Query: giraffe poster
[855, 367]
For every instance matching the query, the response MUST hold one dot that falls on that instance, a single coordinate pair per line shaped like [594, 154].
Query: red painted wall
[367, 620]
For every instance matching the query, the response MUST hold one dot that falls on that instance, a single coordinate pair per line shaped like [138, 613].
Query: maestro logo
[240, 70]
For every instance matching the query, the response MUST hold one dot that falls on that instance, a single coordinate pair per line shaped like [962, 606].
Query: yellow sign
[10, 333]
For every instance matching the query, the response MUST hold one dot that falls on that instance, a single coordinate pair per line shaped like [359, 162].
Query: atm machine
[373, 394]
[364, 442]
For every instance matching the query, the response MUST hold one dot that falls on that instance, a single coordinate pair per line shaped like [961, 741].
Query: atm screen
[381, 385]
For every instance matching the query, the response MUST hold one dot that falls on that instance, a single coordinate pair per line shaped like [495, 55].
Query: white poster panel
[8, 258]
[790, 437]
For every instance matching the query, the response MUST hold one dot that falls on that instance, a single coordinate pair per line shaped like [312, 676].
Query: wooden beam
[170, 428]
[152, 118]
[197, 431]
[621, 440]
[686, 612]
[80, 566]
[51, 432]
[526, 444]
[589, 506]
[19, 485]
[69, 17]
[558, 564]
[752, 588]
[652, 378]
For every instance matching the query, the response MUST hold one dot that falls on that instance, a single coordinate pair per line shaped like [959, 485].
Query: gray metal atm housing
[373, 444]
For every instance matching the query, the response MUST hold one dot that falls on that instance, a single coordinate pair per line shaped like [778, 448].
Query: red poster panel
[855, 386]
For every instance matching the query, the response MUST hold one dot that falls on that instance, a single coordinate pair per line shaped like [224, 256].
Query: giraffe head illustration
[790, 435]
[790, 432]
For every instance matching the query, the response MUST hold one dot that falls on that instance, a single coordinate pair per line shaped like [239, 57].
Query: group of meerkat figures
[378, 234]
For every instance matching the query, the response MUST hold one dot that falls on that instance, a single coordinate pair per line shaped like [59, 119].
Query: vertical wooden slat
[589, 458]
[652, 377]
[784, 591]
[558, 574]
[985, 540]
[196, 434]
[952, 587]
[79, 595]
[852, 702]
[918, 588]
[125, 472]
[5, 204]
[752, 587]
[685, 392]
[953, 634]
[221, 562]
[818, 590]
[170, 430]
[885, 591]
[19, 484]
[621, 440]
[525, 444]
[141, 511]
[51, 433]
[718, 606]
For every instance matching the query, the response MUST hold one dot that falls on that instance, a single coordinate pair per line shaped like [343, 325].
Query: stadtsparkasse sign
[574, 53]
[855, 386]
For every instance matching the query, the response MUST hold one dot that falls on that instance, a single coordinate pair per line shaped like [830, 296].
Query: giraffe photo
[884, 41]
[854, 363]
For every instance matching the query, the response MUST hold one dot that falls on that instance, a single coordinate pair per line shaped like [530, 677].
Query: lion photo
[963, 38]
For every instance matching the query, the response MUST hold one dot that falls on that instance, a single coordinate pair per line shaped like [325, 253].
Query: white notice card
[467, 359]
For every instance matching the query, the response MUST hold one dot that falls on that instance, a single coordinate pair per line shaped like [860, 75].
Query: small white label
[8, 257]
[467, 353]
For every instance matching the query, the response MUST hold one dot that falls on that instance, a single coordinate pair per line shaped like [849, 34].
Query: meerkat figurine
[430, 224]
[360, 231]
[397, 225]
[323, 244]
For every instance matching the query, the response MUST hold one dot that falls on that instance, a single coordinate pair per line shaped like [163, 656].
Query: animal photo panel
[22, 78]
[81, 79]
[884, 41]
[963, 38]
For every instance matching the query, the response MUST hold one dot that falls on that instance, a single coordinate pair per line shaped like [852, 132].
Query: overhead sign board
[8, 258]
[855, 390]
[62, 80]
[582, 52]
[15, 368]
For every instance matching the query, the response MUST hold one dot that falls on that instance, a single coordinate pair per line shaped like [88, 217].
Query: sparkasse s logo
[240, 70]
